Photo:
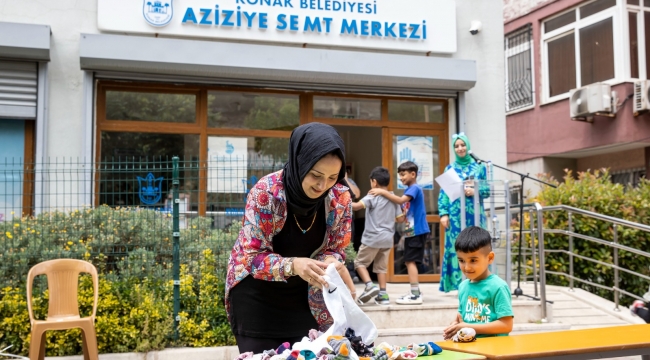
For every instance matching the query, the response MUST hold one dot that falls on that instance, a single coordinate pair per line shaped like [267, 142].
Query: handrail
[542, 261]
[599, 216]
[614, 245]
[600, 241]
[536, 213]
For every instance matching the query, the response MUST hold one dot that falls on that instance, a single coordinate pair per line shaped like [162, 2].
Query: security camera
[475, 27]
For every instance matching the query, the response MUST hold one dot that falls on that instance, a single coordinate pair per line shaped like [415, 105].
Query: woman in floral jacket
[296, 222]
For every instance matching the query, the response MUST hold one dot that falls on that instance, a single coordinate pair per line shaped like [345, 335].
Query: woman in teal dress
[466, 168]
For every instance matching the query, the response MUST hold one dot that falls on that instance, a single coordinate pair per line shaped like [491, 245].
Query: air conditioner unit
[590, 100]
[641, 102]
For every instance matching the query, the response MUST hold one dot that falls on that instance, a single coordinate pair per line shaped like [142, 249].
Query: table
[596, 343]
[452, 355]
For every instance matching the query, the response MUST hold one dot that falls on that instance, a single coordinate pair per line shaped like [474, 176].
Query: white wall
[537, 168]
[67, 18]
[513, 9]
[485, 103]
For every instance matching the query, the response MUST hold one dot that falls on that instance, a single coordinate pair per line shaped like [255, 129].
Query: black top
[274, 309]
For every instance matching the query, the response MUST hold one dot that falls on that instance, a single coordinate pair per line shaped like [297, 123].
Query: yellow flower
[69, 242]
[9, 235]
[16, 225]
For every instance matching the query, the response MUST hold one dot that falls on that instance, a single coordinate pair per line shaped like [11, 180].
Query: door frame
[387, 162]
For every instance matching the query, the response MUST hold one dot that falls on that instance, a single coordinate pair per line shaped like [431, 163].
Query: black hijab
[308, 144]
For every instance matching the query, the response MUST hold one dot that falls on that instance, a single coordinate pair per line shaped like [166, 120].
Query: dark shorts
[414, 248]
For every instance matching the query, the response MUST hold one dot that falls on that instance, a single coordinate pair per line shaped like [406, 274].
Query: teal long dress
[451, 275]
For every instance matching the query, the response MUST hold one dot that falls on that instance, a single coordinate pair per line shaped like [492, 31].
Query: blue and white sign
[425, 26]
[150, 189]
[418, 149]
[158, 13]
[227, 164]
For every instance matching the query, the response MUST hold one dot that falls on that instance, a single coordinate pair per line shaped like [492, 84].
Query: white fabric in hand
[345, 312]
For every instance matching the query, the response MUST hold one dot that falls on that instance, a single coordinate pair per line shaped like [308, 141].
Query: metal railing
[538, 254]
[614, 245]
[494, 196]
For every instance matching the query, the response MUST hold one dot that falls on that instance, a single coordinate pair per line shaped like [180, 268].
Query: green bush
[595, 192]
[132, 249]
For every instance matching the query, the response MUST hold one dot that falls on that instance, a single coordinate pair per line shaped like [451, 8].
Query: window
[579, 48]
[631, 177]
[415, 111]
[634, 44]
[226, 139]
[597, 52]
[561, 64]
[252, 111]
[519, 73]
[638, 26]
[150, 106]
[347, 108]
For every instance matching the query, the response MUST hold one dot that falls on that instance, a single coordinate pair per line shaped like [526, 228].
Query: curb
[211, 353]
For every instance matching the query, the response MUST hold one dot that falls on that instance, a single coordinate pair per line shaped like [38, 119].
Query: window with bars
[519, 72]
[631, 177]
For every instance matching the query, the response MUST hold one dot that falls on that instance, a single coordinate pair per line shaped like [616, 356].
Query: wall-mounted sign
[227, 164]
[418, 149]
[407, 25]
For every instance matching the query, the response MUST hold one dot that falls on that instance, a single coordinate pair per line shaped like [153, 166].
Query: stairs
[572, 309]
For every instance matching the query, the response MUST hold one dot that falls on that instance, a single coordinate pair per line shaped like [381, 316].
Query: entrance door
[428, 149]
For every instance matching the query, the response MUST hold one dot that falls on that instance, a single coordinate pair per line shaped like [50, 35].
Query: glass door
[428, 150]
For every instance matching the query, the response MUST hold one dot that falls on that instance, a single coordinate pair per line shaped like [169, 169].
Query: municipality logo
[157, 13]
[150, 189]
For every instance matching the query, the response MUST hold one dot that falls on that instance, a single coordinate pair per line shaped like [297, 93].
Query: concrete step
[432, 314]
[404, 336]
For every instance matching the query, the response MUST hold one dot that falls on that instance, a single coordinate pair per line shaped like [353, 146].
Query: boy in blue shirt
[485, 303]
[416, 227]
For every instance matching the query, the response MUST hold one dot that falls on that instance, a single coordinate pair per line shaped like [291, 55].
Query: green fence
[159, 231]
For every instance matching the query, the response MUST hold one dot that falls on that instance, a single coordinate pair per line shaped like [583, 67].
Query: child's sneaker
[410, 299]
[368, 294]
[382, 299]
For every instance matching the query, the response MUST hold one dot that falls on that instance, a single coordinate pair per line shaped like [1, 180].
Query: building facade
[131, 81]
[554, 47]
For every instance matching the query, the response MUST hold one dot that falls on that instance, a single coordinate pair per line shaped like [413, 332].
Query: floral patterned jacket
[264, 217]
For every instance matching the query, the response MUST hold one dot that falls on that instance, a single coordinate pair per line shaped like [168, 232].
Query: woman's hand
[444, 221]
[469, 191]
[344, 273]
[311, 271]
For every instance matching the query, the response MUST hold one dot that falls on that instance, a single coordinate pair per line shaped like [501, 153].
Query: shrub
[132, 249]
[595, 192]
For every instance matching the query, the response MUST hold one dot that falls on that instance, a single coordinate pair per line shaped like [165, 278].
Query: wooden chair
[63, 313]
